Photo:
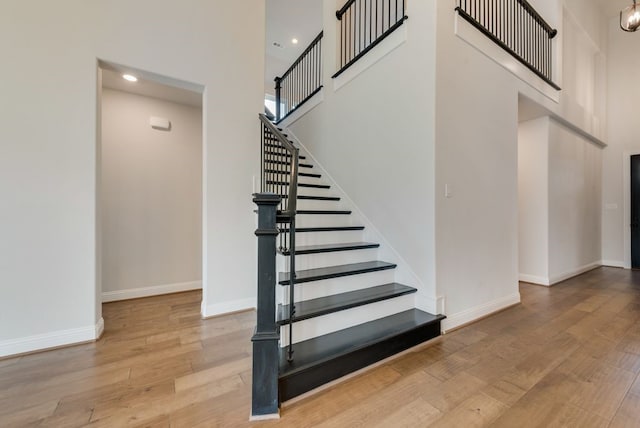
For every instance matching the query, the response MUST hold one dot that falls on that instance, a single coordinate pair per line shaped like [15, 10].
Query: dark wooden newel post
[278, 90]
[264, 403]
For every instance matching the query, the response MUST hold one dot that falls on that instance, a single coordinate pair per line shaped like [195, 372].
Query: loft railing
[364, 24]
[301, 81]
[516, 27]
[279, 176]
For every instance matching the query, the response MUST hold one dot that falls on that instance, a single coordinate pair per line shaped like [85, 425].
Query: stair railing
[516, 27]
[364, 24]
[301, 81]
[279, 176]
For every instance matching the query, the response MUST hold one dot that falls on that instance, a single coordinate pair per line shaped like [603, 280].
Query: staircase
[348, 311]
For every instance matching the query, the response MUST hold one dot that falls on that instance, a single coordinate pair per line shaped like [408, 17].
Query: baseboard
[56, 339]
[554, 279]
[613, 263]
[481, 311]
[209, 311]
[534, 279]
[136, 293]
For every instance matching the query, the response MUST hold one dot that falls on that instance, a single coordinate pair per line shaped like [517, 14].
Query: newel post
[264, 402]
[278, 91]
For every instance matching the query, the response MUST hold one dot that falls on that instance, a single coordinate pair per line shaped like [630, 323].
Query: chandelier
[630, 17]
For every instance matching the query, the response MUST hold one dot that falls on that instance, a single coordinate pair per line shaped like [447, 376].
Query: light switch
[448, 191]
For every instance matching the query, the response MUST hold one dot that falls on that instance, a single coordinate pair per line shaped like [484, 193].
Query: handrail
[301, 81]
[280, 177]
[344, 9]
[291, 200]
[552, 32]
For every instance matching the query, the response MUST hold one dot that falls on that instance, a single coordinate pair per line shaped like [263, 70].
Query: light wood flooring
[567, 356]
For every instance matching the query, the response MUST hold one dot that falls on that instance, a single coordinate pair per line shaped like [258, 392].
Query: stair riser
[320, 238]
[312, 261]
[312, 204]
[327, 287]
[299, 383]
[329, 220]
[318, 326]
[311, 191]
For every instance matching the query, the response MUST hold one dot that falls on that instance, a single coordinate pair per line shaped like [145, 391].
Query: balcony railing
[364, 24]
[516, 27]
[301, 81]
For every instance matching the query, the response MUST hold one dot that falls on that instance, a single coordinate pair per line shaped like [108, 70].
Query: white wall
[48, 173]
[476, 155]
[533, 200]
[622, 137]
[151, 197]
[375, 137]
[575, 183]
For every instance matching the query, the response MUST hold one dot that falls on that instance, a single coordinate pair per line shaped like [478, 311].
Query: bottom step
[325, 358]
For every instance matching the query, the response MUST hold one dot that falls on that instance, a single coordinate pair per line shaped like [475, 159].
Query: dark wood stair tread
[328, 272]
[331, 248]
[301, 165]
[314, 198]
[285, 183]
[328, 357]
[283, 154]
[324, 212]
[324, 229]
[338, 302]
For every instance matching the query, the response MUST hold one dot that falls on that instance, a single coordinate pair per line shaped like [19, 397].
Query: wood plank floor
[567, 356]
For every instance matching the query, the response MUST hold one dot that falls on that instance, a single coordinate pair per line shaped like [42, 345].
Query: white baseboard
[613, 263]
[534, 279]
[156, 290]
[475, 313]
[56, 339]
[209, 311]
[554, 279]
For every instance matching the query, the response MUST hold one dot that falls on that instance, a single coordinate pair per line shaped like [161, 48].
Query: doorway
[150, 184]
[634, 224]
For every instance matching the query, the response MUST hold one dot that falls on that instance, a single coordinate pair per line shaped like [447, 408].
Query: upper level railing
[364, 24]
[301, 81]
[516, 27]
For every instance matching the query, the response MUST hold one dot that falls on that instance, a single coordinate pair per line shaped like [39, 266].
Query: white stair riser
[314, 204]
[321, 238]
[316, 220]
[312, 191]
[328, 287]
[313, 261]
[326, 324]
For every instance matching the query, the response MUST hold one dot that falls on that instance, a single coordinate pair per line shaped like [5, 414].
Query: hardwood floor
[567, 356]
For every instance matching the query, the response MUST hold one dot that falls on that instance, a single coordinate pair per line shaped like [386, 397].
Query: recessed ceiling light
[294, 41]
[130, 77]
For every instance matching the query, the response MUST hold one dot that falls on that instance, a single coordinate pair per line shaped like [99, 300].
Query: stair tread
[326, 305]
[324, 229]
[329, 248]
[285, 183]
[324, 212]
[285, 154]
[330, 346]
[328, 272]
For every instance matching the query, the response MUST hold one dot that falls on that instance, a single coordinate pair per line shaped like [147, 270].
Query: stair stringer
[425, 299]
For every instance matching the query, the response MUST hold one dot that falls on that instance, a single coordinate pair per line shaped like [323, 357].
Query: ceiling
[151, 85]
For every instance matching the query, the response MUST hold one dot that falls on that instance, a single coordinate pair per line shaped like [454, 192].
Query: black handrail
[516, 27]
[363, 25]
[301, 81]
[279, 176]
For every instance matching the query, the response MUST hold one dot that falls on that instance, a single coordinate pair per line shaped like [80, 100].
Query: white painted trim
[156, 290]
[209, 311]
[613, 263]
[99, 328]
[312, 103]
[264, 417]
[386, 46]
[55, 339]
[587, 136]
[468, 33]
[475, 313]
[626, 205]
[554, 279]
[534, 279]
